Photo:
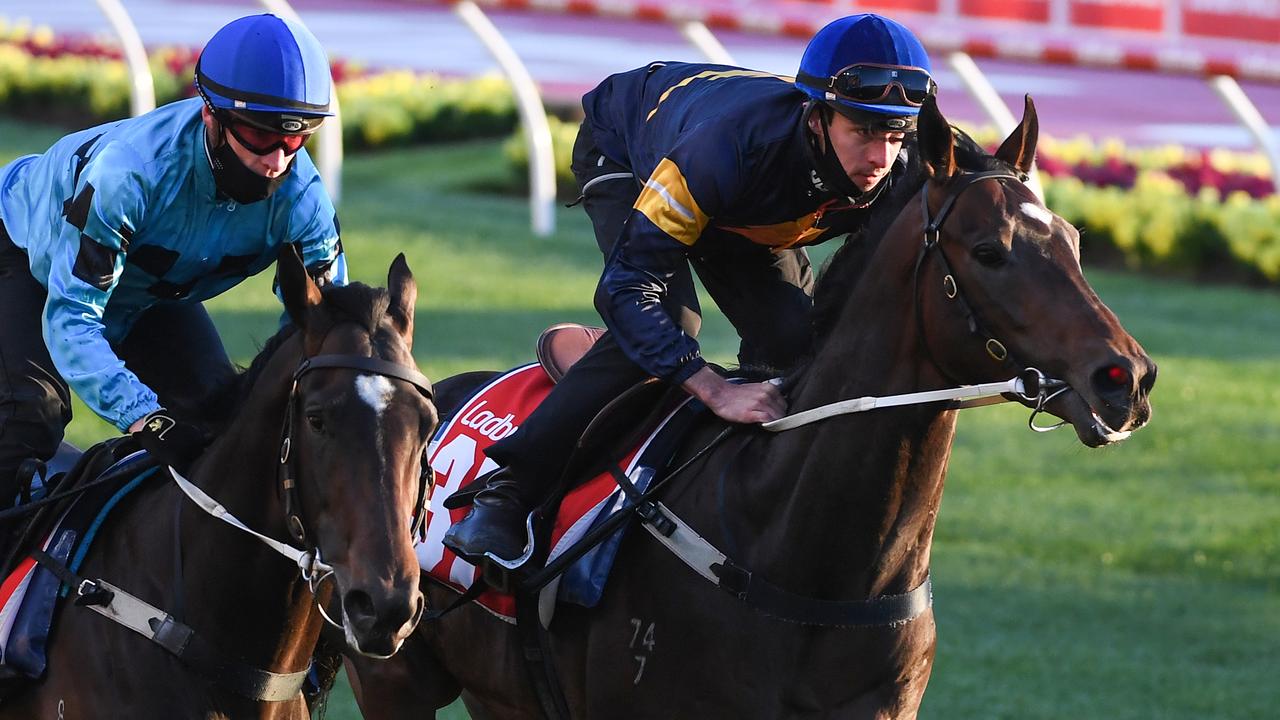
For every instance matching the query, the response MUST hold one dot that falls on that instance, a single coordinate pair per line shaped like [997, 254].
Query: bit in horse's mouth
[1104, 430]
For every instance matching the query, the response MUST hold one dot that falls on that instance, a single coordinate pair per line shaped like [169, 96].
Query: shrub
[80, 82]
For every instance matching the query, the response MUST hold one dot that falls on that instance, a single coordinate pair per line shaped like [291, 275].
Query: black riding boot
[496, 523]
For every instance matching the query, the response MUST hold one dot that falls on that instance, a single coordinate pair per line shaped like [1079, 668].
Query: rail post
[537, 131]
[142, 90]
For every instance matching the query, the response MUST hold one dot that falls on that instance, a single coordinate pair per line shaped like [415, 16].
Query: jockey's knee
[32, 424]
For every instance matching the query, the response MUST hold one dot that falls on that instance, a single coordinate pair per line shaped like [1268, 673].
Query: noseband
[287, 471]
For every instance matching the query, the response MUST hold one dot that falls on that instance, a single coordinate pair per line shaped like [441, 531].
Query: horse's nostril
[359, 606]
[1112, 379]
[1148, 380]
[422, 608]
[1118, 375]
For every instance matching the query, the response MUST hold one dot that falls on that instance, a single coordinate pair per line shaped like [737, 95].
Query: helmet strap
[822, 155]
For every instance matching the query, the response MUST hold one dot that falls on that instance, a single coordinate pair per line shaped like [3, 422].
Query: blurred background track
[568, 53]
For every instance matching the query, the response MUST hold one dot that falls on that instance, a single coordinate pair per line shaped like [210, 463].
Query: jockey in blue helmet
[265, 81]
[112, 238]
[872, 71]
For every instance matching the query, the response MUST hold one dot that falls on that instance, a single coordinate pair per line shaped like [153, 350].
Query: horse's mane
[357, 302]
[844, 268]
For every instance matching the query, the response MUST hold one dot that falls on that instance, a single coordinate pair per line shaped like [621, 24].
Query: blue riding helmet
[268, 72]
[869, 64]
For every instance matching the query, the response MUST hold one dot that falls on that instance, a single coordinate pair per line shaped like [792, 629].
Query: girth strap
[783, 605]
[703, 557]
[175, 637]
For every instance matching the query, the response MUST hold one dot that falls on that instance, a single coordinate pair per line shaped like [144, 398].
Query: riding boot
[496, 523]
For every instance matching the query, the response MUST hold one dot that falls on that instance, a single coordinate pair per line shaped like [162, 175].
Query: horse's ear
[404, 293]
[937, 146]
[1019, 149]
[299, 291]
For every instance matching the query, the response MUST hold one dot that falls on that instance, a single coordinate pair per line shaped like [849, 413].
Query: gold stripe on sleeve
[669, 205]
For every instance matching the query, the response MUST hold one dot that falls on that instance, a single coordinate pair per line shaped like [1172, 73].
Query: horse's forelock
[359, 303]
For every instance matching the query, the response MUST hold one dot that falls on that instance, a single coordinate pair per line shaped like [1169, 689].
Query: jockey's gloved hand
[170, 440]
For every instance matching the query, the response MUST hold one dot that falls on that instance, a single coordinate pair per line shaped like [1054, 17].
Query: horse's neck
[858, 494]
[248, 598]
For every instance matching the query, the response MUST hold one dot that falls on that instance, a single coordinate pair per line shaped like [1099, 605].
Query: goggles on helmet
[872, 83]
[262, 133]
[264, 142]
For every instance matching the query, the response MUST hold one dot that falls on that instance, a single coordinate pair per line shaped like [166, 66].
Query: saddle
[611, 430]
[562, 345]
[72, 505]
[635, 436]
[67, 470]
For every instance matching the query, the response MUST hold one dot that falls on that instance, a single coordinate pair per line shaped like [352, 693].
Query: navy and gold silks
[720, 155]
[122, 216]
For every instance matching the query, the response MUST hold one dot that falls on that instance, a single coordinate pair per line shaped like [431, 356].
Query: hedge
[81, 82]
[1153, 224]
[1206, 214]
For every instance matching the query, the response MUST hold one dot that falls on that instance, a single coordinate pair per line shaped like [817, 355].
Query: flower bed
[1142, 218]
[79, 82]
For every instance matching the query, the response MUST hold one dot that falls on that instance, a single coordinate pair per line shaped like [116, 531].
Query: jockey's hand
[740, 403]
[169, 440]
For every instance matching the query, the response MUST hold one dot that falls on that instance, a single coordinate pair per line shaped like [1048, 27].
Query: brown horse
[341, 385]
[974, 281]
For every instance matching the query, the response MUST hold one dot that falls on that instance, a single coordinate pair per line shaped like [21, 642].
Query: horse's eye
[988, 255]
[315, 421]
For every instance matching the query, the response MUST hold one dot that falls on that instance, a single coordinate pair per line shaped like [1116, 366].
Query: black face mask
[234, 179]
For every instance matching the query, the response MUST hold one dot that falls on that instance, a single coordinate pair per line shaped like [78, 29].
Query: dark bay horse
[972, 281]
[341, 385]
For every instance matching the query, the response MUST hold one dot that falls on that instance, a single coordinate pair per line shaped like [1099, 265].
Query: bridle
[932, 235]
[287, 471]
[1028, 384]
[996, 350]
[313, 568]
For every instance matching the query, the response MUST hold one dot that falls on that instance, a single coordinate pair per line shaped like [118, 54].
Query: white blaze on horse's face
[1037, 213]
[375, 390]
[1048, 226]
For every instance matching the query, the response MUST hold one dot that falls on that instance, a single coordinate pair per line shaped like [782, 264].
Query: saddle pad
[456, 454]
[29, 596]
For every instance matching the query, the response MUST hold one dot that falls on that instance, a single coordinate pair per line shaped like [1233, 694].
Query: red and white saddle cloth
[457, 455]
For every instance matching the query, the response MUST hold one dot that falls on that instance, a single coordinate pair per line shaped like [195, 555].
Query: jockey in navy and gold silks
[726, 160]
[112, 238]
[728, 174]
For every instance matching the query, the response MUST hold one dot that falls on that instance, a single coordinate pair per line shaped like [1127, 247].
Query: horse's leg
[410, 684]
